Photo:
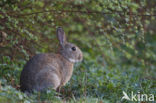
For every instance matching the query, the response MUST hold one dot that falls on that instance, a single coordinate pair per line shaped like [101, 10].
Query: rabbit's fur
[49, 69]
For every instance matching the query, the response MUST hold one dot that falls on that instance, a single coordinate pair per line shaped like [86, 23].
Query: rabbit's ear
[61, 36]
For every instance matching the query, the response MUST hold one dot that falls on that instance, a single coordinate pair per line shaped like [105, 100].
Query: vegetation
[117, 38]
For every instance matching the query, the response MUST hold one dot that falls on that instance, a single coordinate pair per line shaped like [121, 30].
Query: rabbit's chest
[66, 75]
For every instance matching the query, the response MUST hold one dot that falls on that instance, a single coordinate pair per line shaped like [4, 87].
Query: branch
[76, 11]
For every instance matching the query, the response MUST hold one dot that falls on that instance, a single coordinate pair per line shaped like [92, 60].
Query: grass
[90, 83]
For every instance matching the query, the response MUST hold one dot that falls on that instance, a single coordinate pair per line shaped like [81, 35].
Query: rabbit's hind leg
[46, 79]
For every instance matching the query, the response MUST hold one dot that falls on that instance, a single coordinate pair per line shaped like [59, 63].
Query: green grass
[90, 83]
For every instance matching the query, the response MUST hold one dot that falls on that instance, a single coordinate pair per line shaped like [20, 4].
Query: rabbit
[52, 70]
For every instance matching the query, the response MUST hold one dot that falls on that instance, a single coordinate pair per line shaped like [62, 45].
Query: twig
[77, 11]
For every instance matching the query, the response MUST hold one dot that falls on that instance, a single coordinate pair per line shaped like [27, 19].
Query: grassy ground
[90, 83]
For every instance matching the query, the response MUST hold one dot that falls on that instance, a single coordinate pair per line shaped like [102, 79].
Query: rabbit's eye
[73, 48]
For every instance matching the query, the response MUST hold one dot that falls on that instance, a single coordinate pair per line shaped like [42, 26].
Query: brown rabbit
[49, 69]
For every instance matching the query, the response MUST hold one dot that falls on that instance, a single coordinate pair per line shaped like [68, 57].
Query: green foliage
[117, 38]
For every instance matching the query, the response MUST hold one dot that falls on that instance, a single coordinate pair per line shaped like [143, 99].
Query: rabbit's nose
[80, 57]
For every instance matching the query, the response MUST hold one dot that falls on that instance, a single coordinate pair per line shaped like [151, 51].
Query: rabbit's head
[68, 50]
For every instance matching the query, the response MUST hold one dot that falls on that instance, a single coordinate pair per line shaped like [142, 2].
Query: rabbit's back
[45, 70]
[36, 70]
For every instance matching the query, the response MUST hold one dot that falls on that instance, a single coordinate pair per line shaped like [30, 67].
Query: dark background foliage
[117, 38]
